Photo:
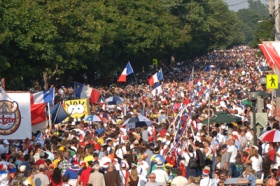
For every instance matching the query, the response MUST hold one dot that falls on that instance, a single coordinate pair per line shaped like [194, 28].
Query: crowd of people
[175, 149]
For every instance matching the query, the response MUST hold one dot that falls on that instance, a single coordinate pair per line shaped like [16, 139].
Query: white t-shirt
[256, 163]
[161, 175]
[233, 150]
[205, 182]
[179, 181]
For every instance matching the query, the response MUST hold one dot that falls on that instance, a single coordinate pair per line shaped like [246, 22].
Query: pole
[254, 123]
[49, 113]
[135, 78]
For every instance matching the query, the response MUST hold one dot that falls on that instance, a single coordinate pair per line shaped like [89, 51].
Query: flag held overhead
[83, 91]
[126, 71]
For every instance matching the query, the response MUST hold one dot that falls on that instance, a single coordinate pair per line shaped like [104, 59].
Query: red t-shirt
[162, 133]
[40, 161]
[271, 154]
[85, 176]
[56, 184]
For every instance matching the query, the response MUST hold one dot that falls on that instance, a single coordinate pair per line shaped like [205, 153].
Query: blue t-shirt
[252, 180]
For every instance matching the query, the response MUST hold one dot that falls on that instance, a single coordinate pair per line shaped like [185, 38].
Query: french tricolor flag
[126, 71]
[155, 78]
[83, 91]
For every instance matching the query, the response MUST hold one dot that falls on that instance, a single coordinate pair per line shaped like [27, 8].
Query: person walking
[112, 178]
[96, 178]
[152, 181]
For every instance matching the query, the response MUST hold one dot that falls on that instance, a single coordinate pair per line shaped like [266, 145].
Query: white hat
[22, 168]
[6, 142]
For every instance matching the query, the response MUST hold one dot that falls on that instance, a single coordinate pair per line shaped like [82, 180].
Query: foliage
[44, 41]
[250, 18]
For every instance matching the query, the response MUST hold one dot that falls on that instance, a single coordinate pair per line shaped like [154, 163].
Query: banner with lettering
[15, 119]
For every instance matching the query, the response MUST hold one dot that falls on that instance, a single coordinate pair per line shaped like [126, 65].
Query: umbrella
[93, 118]
[114, 100]
[246, 102]
[138, 121]
[270, 136]
[221, 117]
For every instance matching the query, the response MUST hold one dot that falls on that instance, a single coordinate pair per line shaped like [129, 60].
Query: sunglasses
[152, 177]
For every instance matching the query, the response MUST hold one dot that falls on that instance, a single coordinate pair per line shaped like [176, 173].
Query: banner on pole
[15, 119]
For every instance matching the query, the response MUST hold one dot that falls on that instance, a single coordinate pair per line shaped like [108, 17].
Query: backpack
[201, 159]
[192, 162]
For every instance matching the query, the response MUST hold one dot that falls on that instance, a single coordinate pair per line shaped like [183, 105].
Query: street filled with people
[196, 131]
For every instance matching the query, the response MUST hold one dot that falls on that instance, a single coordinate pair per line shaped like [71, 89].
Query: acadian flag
[126, 71]
[83, 91]
[46, 96]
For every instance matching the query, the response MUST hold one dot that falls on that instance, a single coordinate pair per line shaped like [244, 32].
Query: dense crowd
[176, 149]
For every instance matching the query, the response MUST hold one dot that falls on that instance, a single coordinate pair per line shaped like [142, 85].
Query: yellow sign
[77, 109]
[272, 81]
[155, 62]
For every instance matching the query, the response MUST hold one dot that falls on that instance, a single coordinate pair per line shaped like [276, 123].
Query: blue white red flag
[156, 77]
[84, 91]
[126, 71]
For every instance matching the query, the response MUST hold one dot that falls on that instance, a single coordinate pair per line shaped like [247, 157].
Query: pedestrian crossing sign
[272, 81]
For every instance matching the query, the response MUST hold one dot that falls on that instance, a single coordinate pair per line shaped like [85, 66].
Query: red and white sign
[15, 120]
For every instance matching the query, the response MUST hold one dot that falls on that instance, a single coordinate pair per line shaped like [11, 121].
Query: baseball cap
[41, 166]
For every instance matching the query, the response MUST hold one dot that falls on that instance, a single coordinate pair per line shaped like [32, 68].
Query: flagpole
[49, 113]
[135, 78]
[209, 103]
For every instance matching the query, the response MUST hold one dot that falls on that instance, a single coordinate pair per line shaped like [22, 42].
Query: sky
[235, 5]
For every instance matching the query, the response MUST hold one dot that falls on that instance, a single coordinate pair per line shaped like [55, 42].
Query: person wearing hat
[72, 172]
[205, 177]
[124, 174]
[41, 178]
[4, 148]
[161, 175]
[19, 177]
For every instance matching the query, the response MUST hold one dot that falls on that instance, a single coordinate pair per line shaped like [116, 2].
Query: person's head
[191, 179]
[65, 179]
[216, 174]
[96, 165]
[273, 172]
[111, 167]
[56, 175]
[41, 167]
[178, 172]
[152, 177]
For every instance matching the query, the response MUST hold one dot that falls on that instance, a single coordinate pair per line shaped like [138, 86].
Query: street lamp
[253, 99]
[263, 82]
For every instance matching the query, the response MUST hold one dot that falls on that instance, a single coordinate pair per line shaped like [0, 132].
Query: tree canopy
[59, 41]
